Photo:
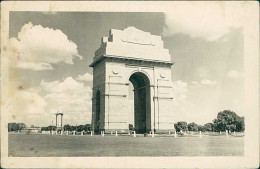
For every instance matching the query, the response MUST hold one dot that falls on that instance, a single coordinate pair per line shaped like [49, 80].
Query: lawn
[37, 145]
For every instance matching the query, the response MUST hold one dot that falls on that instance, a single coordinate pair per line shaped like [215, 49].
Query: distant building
[31, 130]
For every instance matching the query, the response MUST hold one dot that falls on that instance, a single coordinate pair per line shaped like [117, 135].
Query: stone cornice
[128, 60]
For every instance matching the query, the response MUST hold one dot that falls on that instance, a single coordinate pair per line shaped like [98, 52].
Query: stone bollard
[81, 133]
[91, 133]
[175, 134]
[134, 134]
[74, 132]
[129, 133]
[234, 133]
[111, 132]
[226, 133]
[61, 132]
[200, 134]
[67, 132]
[169, 132]
[103, 133]
[152, 133]
[51, 132]
[56, 132]
[116, 133]
[219, 132]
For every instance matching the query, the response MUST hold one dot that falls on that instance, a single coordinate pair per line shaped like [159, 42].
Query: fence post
[226, 133]
[175, 134]
[91, 133]
[152, 133]
[200, 134]
[116, 133]
[134, 134]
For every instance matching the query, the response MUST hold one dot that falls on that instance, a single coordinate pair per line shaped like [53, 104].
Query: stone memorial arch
[132, 56]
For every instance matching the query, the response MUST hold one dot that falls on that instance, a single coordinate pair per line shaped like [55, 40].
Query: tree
[67, 127]
[209, 127]
[192, 127]
[16, 126]
[181, 125]
[229, 120]
[201, 128]
[131, 127]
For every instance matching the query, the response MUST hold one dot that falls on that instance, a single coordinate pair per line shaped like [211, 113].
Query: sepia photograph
[129, 84]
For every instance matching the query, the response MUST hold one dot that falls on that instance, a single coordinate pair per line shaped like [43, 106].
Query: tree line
[226, 120]
[67, 127]
[16, 126]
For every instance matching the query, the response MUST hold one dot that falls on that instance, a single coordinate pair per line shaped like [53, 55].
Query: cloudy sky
[52, 52]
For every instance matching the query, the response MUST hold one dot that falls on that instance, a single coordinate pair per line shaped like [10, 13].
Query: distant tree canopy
[209, 127]
[181, 125]
[131, 127]
[16, 126]
[226, 120]
[49, 128]
[79, 128]
[192, 127]
[229, 120]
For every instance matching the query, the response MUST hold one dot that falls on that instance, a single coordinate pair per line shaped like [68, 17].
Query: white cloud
[85, 77]
[38, 105]
[24, 104]
[71, 97]
[208, 82]
[210, 20]
[34, 66]
[179, 92]
[37, 47]
[235, 74]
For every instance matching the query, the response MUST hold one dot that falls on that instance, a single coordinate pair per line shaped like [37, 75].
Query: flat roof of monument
[133, 43]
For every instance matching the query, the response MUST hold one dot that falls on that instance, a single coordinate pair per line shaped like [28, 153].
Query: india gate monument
[132, 56]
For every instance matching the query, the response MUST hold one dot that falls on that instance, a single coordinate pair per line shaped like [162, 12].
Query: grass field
[37, 145]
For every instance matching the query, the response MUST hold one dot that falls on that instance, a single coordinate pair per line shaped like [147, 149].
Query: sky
[52, 52]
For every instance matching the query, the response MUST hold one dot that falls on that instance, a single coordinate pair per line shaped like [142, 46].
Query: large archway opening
[142, 104]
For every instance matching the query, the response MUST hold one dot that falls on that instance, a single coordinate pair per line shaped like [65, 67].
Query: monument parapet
[132, 43]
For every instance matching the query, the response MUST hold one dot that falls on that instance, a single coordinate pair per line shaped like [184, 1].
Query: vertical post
[175, 134]
[61, 132]
[226, 133]
[67, 132]
[81, 133]
[134, 134]
[234, 132]
[219, 132]
[74, 133]
[152, 133]
[61, 122]
[200, 134]
[56, 121]
[111, 132]
[91, 133]
[116, 133]
[169, 132]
